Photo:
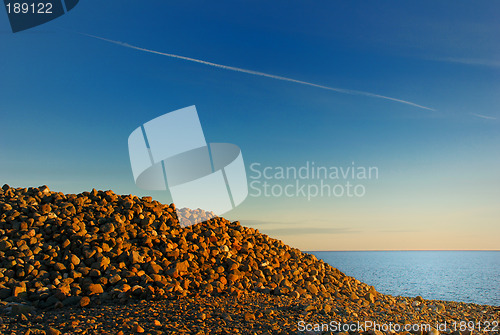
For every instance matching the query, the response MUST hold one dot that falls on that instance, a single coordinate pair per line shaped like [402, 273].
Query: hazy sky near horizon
[69, 102]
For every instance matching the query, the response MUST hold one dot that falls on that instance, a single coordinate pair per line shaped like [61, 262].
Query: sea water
[467, 276]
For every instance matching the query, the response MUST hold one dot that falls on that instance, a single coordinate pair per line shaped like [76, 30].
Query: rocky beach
[102, 263]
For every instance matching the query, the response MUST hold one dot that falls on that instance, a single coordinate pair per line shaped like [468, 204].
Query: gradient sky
[68, 103]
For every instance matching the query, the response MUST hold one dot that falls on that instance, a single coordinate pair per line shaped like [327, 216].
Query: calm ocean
[468, 276]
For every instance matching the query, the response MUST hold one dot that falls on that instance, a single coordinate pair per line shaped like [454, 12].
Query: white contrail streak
[262, 74]
[484, 116]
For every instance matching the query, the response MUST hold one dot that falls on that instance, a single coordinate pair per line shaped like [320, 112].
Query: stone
[308, 308]
[95, 289]
[102, 263]
[85, 301]
[75, 260]
[23, 318]
[327, 309]
[115, 279]
[154, 268]
[249, 317]
[107, 228]
[59, 267]
[313, 289]
[53, 331]
[138, 329]
[5, 245]
[18, 291]
[66, 243]
[135, 257]
[370, 297]
[178, 268]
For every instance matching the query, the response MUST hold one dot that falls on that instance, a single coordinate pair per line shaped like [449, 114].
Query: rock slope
[63, 249]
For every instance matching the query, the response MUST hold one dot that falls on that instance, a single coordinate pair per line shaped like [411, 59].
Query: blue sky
[68, 103]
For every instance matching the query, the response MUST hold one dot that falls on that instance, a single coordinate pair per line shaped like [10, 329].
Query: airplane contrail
[262, 74]
[484, 116]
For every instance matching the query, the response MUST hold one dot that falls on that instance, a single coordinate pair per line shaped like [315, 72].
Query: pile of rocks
[75, 249]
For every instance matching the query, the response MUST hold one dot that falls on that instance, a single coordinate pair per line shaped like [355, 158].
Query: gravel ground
[252, 313]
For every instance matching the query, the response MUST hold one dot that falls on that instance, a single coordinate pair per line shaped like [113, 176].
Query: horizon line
[403, 250]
